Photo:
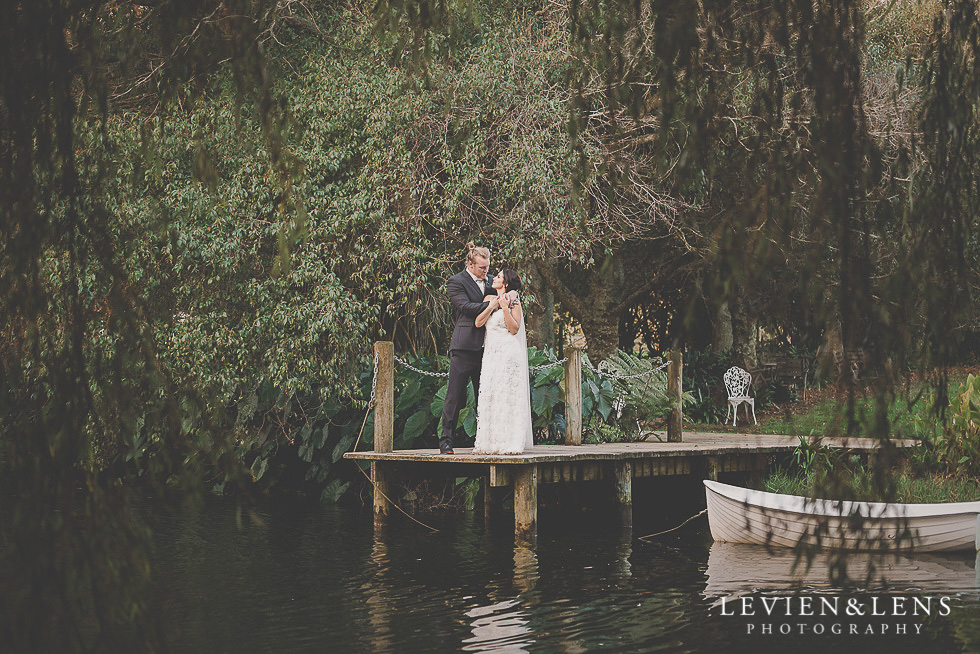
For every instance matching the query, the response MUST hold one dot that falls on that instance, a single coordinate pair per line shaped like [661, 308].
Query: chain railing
[573, 368]
[610, 375]
[374, 381]
[552, 364]
[406, 364]
[421, 372]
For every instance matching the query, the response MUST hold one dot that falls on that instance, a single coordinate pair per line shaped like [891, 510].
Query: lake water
[316, 579]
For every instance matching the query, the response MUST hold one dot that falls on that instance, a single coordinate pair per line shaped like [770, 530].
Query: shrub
[704, 372]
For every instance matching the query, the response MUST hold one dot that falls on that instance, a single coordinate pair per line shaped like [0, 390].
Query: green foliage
[704, 372]
[547, 397]
[910, 488]
[645, 395]
[812, 456]
[88, 404]
[896, 31]
[616, 409]
[195, 257]
[955, 445]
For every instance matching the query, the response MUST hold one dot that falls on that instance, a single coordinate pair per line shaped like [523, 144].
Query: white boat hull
[740, 515]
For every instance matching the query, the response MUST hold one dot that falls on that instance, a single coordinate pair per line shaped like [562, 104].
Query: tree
[79, 371]
[825, 189]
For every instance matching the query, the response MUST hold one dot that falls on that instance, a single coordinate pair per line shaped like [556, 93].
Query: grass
[824, 413]
[930, 475]
[908, 486]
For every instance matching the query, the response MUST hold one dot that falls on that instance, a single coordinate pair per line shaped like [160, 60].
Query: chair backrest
[737, 382]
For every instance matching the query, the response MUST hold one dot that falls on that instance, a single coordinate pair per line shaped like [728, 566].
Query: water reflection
[319, 580]
[525, 569]
[504, 626]
[379, 606]
[735, 569]
[500, 627]
[624, 550]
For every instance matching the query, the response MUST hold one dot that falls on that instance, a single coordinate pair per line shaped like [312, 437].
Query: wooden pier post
[712, 468]
[623, 479]
[758, 471]
[384, 427]
[487, 501]
[526, 504]
[675, 392]
[573, 397]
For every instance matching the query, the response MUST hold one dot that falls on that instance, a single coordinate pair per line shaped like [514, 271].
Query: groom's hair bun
[472, 252]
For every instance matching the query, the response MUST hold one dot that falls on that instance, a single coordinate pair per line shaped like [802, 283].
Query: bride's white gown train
[503, 424]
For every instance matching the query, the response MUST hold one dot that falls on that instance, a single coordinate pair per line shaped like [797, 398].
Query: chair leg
[753, 414]
[734, 415]
[729, 414]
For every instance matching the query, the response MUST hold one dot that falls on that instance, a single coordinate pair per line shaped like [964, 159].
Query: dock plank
[694, 444]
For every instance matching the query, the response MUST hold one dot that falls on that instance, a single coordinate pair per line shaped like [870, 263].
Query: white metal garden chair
[738, 382]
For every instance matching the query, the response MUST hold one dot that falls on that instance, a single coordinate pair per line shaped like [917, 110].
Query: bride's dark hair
[511, 280]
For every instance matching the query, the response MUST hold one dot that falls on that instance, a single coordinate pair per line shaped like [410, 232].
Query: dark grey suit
[466, 348]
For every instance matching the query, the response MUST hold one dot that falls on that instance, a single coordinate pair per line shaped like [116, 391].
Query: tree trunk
[722, 338]
[596, 297]
[743, 337]
[540, 318]
[601, 331]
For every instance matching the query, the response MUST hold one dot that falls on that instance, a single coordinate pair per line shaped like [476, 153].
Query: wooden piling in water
[573, 397]
[623, 490]
[712, 468]
[384, 427]
[526, 504]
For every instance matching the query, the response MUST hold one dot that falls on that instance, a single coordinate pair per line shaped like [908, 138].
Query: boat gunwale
[839, 508]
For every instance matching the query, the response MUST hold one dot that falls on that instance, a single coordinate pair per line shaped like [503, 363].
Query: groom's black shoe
[446, 447]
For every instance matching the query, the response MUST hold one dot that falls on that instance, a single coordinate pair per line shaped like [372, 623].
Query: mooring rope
[667, 531]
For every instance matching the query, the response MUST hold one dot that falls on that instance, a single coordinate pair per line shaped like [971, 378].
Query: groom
[466, 291]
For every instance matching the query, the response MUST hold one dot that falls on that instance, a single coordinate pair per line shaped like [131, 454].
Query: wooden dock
[673, 452]
[706, 455]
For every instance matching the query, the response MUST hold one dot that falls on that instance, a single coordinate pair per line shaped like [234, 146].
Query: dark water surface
[316, 579]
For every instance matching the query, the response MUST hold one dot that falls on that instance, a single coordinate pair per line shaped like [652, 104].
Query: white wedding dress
[503, 424]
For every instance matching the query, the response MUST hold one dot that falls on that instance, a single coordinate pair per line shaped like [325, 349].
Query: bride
[503, 423]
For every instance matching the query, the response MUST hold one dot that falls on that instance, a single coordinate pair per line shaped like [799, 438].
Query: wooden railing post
[573, 396]
[675, 391]
[384, 427]
[384, 397]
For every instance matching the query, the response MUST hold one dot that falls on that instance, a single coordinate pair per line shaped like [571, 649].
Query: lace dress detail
[503, 423]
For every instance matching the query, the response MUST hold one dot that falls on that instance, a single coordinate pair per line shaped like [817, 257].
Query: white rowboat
[741, 515]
